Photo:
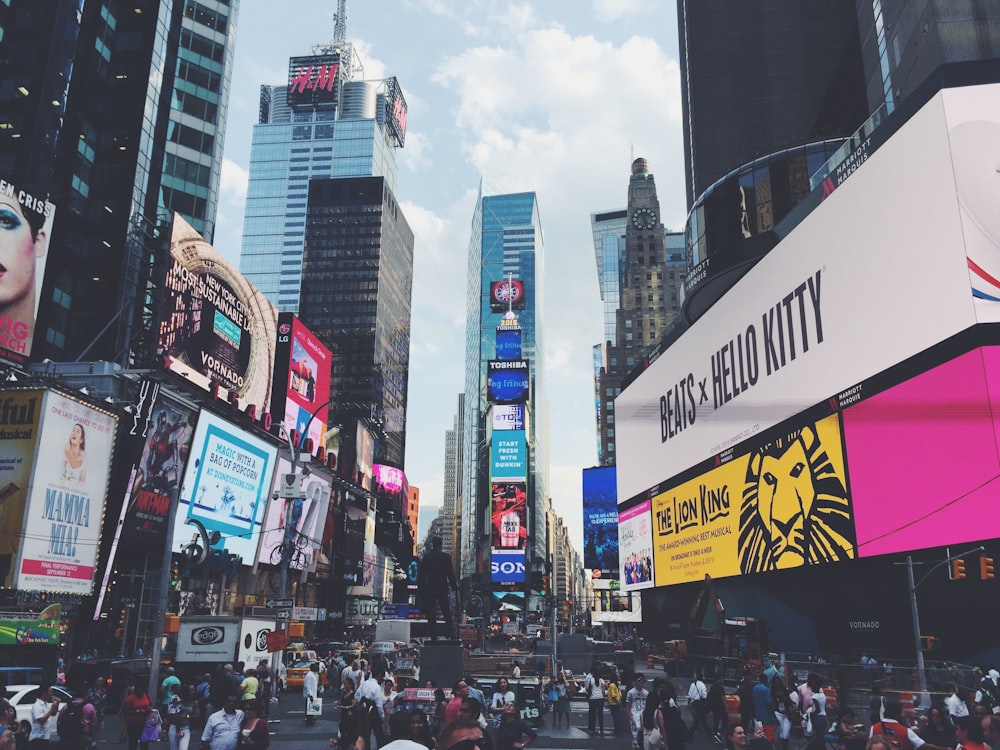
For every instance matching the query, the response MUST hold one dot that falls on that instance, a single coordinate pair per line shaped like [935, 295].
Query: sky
[555, 97]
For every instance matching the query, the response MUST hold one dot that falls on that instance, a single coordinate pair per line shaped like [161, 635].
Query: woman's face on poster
[18, 252]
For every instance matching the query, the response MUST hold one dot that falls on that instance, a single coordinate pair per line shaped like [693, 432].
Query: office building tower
[505, 250]
[454, 443]
[357, 273]
[115, 114]
[640, 279]
[326, 121]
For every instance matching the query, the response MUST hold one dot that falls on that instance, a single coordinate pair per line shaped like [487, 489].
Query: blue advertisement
[226, 486]
[507, 381]
[509, 456]
[507, 566]
[508, 343]
[600, 521]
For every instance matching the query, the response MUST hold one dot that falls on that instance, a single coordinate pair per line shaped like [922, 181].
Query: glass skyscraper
[506, 242]
[321, 124]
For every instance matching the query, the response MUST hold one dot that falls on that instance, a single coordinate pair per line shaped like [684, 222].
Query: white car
[23, 697]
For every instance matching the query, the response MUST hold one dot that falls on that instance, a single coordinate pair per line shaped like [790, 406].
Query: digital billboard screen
[507, 381]
[313, 81]
[508, 417]
[301, 381]
[506, 295]
[509, 456]
[635, 546]
[28, 217]
[225, 486]
[65, 509]
[507, 566]
[509, 519]
[600, 521]
[508, 343]
[215, 326]
[299, 521]
[395, 110]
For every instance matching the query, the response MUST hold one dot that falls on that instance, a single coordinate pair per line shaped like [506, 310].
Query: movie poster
[20, 414]
[65, 510]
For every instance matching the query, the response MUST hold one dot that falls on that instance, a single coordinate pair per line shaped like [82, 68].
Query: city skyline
[556, 100]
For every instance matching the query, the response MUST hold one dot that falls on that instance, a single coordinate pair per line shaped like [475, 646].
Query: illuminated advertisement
[295, 520]
[783, 505]
[65, 507]
[508, 417]
[507, 381]
[932, 442]
[507, 566]
[509, 456]
[226, 486]
[395, 111]
[510, 515]
[159, 471]
[365, 585]
[600, 521]
[215, 326]
[28, 217]
[506, 295]
[635, 546]
[364, 457]
[313, 81]
[302, 364]
[391, 485]
[815, 316]
[508, 601]
[21, 630]
[508, 343]
[20, 415]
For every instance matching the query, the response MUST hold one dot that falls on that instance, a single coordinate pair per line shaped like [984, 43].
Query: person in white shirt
[698, 703]
[222, 730]
[593, 685]
[44, 708]
[310, 689]
[956, 705]
[372, 694]
[502, 695]
[635, 703]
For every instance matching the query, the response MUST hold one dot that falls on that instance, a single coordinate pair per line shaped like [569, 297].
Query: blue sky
[555, 97]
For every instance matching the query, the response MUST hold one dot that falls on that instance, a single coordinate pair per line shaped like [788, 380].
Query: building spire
[340, 24]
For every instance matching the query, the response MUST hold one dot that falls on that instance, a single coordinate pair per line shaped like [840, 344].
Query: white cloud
[233, 182]
[613, 10]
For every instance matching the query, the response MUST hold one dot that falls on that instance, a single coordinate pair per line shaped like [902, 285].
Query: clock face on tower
[644, 218]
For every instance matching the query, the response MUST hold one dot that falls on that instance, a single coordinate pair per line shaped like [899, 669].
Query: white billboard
[635, 547]
[300, 519]
[65, 507]
[874, 275]
[252, 648]
[225, 486]
[207, 639]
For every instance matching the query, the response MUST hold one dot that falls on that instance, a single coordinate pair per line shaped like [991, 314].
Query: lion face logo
[795, 510]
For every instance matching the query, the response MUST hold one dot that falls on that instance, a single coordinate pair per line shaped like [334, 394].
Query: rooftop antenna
[340, 24]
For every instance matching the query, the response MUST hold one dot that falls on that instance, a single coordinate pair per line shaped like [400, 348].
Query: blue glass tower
[506, 242]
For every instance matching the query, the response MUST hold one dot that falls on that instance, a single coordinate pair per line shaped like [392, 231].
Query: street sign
[276, 641]
[280, 603]
[284, 614]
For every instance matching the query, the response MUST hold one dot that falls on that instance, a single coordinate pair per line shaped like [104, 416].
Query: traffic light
[957, 568]
[929, 643]
[545, 585]
[986, 568]
[175, 576]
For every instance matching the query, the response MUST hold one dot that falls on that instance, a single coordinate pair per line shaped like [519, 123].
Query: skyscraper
[326, 121]
[115, 114]
[357, 273]
[640, 274]
[505, 246]
[454, 443]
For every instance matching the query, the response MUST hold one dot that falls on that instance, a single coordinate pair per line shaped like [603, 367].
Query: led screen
[600, 521]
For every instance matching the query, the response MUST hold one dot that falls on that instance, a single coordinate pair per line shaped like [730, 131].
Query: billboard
[600, 521]
[510, 515]
[509, 456]
[65, 506]
[298, 520]
[815, 315]
[23, 630]
[158, 472]
[225, 486]
[252, 647]
[508, 417]
[508, 343]
[365, 580]
[507, 381]
[507, 566]
[215, 326]
[207, 639]
[301, 381]
[783, 504]
[28, 217]
[20, 415]
[313, 80]
[506, 295]
[395, 111]
[635, 546]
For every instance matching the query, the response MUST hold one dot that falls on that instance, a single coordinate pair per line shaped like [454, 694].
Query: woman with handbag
[135, 708]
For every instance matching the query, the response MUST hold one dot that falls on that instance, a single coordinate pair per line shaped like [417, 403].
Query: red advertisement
[510, 515]
[302, 363]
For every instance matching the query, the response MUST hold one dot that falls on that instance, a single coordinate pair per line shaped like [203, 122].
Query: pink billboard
[923, 457]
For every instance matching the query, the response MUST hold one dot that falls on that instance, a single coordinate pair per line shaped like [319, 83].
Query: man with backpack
[77, 725]
[698, 705]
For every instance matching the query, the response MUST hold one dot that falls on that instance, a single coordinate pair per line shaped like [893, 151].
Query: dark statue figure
[436, 574]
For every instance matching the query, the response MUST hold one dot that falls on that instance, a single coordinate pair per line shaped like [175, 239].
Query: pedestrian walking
[594, 687]
[698, 706]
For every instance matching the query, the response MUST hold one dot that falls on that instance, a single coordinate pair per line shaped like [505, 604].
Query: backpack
[896, 734]
[70, 724]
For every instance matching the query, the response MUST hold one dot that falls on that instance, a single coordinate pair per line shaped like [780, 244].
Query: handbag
[151, 729]
[314, 706]
[653, 739]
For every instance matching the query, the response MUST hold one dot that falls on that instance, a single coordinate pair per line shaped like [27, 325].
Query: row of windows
[191, 104]
[197, 75]
[202, 46]
[186, 170]
[190, 137]
[209, 18]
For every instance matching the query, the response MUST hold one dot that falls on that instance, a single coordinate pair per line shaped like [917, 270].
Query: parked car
[23, 697]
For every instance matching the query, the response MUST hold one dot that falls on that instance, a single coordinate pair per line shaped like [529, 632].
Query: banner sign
[207, 639]
[24, 631]
[20, 415]
[635, 547]
[600, 520]
[509, 456]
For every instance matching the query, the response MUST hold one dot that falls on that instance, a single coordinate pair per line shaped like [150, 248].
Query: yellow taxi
[296, 676]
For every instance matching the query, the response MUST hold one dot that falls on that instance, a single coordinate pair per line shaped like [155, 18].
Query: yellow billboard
[782, 505]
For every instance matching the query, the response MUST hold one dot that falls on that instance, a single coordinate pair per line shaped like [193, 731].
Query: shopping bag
[314, 707]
